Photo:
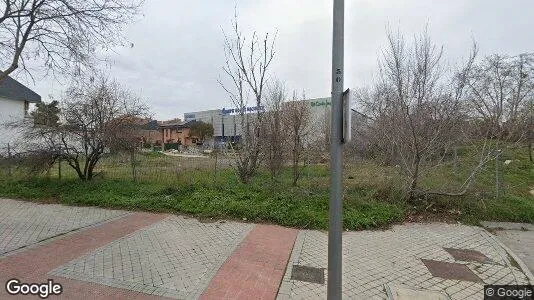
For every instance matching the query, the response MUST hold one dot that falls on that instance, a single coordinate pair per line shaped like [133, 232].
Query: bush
[175, 146]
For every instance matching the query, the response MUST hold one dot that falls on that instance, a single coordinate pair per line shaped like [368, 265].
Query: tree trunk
[530, 150]
[295, 171]
[79, 172]
[59, 168]
[415, 177]
[244, 176]
[296, 150]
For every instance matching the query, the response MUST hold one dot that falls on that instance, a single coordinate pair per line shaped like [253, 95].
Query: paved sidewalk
[519, 237]
[521, 243]
[32, 265]
[419, 256]
[148, 256]
[25, 223]
[175, 258]
[108, 254]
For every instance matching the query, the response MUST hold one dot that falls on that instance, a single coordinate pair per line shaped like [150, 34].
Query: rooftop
[14, 90]
[185, 124]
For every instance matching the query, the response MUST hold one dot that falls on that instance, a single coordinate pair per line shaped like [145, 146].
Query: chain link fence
[139, 166]
[190, 166]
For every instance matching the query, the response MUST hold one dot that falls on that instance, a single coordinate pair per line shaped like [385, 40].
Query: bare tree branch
[62, 34]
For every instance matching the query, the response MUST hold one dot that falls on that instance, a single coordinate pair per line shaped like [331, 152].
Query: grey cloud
[177, 54]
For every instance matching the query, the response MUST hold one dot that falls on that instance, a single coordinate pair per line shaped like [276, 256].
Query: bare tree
[247, 64]
[500, 98]
[415, 107]
[59, 33]
[95, 117]
[274, 131]
[297, 118]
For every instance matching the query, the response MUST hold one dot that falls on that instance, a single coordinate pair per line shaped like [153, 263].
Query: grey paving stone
[24, 223]
[175, 258]
[399, 292]
[372, 259]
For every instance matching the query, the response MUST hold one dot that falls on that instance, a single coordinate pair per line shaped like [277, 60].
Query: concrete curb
[284, 290]
[518, 260]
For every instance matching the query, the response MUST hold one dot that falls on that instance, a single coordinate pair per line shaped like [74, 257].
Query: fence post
[8, 160]
[132, 158]
[497, 174]
[215, 168]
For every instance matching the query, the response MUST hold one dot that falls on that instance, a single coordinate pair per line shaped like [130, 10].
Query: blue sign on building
[245, 110]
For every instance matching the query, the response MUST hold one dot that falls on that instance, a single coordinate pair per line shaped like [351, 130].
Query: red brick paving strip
[257, 266]
[32, 265]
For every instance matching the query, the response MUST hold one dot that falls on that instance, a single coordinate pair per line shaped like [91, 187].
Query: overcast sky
[178, 45]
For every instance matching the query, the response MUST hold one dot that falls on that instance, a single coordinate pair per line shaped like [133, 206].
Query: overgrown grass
[260, 201]
[514, 203]
[374, 195]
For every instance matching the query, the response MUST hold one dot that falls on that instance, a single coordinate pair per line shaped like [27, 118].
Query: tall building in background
[227, 121]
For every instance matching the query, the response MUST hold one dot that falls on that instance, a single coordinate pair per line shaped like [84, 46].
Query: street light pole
[335, 229]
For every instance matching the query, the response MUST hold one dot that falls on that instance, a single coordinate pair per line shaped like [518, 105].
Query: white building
[15, 99]
[227, 122]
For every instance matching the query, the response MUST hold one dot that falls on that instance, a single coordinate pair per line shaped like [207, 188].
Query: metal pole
[335, 229]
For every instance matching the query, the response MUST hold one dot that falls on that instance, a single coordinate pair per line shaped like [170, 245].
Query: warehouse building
[227, 121]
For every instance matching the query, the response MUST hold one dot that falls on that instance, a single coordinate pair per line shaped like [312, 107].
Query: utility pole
[335, 228]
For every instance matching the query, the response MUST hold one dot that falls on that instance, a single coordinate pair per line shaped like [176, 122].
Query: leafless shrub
[96, 117]
[297, 118]
[275, 135]
[416, 109]
[500, 97]
[247, 63]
